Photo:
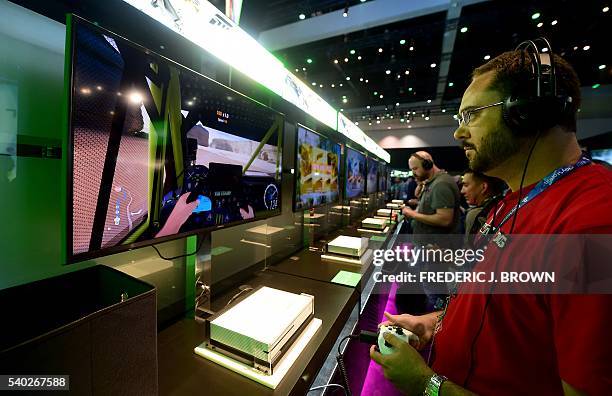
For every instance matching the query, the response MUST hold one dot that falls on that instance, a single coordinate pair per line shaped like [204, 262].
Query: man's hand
[405, 367]
[408, 212]
[423, 325]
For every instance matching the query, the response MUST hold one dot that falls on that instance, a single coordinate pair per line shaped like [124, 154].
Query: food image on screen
[355, 173]
[318, 167]
[371, 184]
[159, 151]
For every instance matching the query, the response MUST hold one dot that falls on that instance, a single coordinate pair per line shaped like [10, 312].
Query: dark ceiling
[359, 58]
[498, 26]
[260, 15]
[492, 27]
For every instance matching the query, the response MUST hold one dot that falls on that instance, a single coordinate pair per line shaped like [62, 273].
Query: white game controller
[399, 332]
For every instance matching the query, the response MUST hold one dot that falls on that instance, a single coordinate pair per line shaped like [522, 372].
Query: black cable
[343, 374]
[490, 295]
[181, 255]
[243, 289]
[344, 339]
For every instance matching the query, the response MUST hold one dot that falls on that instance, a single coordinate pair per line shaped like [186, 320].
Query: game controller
[399, 332]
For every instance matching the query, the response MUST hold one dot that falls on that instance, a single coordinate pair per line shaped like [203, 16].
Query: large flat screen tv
[382, 177]
[372, 181]
[355, 173]
[318, 168]
[158, 151]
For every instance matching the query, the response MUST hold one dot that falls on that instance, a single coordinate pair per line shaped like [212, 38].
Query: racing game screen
[159, 151]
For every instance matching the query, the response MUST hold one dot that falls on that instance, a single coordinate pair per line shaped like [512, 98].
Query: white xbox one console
[348, 246]
[374, 224]
[397, 201]
[383, 212]
[393, 206]
[259, 329]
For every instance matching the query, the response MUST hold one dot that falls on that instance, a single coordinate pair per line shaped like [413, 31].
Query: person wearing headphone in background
[481, 193]
[517, 122]
[436, 216]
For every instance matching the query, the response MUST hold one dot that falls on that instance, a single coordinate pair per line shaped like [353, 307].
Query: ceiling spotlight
[443, 110]
[189, 103]
[540, 24]
[387, 71]
[409, 126]
[335, 60]
[345, 13]
[340, 84]
[297, 70]
[396, 104]
[375, 93]
[99, 87]
[345, 100]
[381, 96]
[411, 48]
[303, 69]
[535, 16]
[356, 122]
[398, 76]
[605, 9]
[345, 60]
[464, 29]
[320, 85]
[410, 89]
[308, 60]
[427, 118]
[450, 84]
[363, 1]
[575, 48]
[402, 119]
[341, 109]
[554, 22]
[333, 85]
[601, 67]
[136, 98]
[314, 83]
[378, 117]
[433, 65]
[359, 57]
[378, 121]
[368, 106]
[428, 100]
[595, 86]
[302, 16]
[348, 78]
[388, 127]
[352, 52]
[85, 91]
[414, 113]
[370, 123]
[586, 48]
[380, 50]
[402, 41]
[487, 57]
[360, 78]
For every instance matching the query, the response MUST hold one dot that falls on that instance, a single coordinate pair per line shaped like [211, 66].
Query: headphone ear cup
[518, 115]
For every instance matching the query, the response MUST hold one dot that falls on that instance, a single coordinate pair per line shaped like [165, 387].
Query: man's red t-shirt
[529, 343]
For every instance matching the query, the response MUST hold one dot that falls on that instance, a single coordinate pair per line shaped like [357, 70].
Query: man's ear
[484, 188]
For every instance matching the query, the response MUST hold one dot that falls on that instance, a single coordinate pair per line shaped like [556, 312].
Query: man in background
[481, 192]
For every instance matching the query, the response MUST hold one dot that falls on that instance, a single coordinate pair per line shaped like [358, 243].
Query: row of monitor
[158, 151]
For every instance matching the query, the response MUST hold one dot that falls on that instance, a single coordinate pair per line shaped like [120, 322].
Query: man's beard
[495, 148]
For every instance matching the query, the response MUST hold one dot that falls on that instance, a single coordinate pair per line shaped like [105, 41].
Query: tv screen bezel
[72, 22]
[296, 178]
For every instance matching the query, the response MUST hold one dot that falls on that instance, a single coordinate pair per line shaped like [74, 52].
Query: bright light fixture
[464, 29]
[135, 98]
[535, 16]
[433, 65]
[302, 16]
[402, 41]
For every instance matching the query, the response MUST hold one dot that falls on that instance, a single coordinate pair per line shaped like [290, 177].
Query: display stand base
[281, 368]
[371, 231]
[363, 260]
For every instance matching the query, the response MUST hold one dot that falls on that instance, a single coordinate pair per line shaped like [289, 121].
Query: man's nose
[461, 133]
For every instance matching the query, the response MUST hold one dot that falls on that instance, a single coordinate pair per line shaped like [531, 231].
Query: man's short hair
[513, 75]
[496, 186]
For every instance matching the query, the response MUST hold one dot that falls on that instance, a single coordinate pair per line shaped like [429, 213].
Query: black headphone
[541, 108]
[425, 163]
